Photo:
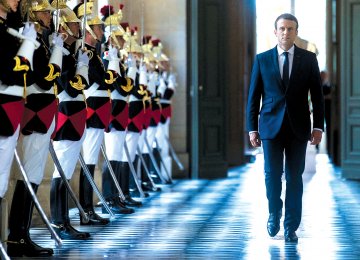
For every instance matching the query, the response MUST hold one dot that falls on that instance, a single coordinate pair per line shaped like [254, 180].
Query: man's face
[98, 31]
[74, 28]
[44, 17]
[286, 33]
[13, 4]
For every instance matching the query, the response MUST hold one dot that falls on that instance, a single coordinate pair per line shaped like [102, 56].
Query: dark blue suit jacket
[266, 86]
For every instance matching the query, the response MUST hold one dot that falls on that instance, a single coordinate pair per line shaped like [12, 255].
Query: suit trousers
[285, 150]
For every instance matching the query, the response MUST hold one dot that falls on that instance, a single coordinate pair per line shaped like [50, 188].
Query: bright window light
[312, 24]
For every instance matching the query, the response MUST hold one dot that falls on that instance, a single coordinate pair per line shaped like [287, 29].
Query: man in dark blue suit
[282, 79]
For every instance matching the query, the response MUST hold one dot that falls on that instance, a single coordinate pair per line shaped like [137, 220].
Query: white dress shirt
[281, 59]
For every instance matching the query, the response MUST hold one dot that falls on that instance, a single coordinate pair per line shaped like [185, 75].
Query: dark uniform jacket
[40, 108]
[11, 101]
[137, 107]
[71, 118]
[98, 107]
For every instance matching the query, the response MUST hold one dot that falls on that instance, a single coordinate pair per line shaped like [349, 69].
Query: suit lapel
[275, 60]
[296, 63]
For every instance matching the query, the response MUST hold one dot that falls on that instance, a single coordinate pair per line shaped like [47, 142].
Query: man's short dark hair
[287, 16]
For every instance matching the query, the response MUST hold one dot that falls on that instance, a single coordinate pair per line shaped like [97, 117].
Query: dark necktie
[286, 69]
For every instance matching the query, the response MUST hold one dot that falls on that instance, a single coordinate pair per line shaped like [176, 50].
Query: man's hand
[316, 137]
[83, 59]
[113, 54]
[29, 31]
[255, 139]
[57, 40]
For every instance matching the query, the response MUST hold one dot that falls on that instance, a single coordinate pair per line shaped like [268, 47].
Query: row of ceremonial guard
[81, 86]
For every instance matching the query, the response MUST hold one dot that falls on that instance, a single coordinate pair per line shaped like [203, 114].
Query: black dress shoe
[147, 186]
[168, 181]
[137, 194]
[273, 224]
[290, 236]
[26, 247]
[94, 219]
[117, 207]
[131, 202]
[66, 231]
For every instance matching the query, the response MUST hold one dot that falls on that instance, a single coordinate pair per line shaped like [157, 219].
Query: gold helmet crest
[32, 6]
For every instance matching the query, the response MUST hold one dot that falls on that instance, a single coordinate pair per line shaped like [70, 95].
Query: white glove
[131, 61]
[114, 61]
[172, 81]
[154, 78]
[29, 43]
[113, 53]
[56, 54]
[143, 67]
[132, 67]
[29, 31]
[152, 82]
[83, 59]
[162, 86]
[57, 40]
[123, 53]
[172, 77]
[143, 75]
[164, 74]
[83, 65]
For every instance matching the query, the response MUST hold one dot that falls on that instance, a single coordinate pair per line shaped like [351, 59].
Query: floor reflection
[226, 219]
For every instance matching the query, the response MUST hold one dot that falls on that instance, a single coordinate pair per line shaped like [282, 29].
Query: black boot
[117, 206]
[158, 159]
[60, 212]
[154, 175]
[86, 200]
[124, 176]
[108, 187]
[146, 183]
[133, 189]
[110, 192]
[19, 241]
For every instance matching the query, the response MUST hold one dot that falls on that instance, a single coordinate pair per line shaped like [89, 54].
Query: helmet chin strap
[39, 24]
[68, 31]
[88, 28]
[42, 25]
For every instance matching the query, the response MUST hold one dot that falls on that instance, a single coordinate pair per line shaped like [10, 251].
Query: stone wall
[166, 20]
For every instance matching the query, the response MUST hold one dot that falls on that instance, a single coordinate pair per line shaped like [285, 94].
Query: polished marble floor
[226, 219]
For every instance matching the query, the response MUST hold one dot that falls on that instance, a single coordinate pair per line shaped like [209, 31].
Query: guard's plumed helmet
[131, 44]
[59, 4]
[32, 6]
[91, 17]
[113, 27]
[68, 16]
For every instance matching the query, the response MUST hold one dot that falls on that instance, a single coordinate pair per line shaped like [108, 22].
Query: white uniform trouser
[161, 134]
[140, 145]
[92, 144]
[7, 148]
[35, 149]
[114, 143]
[149, 133]
[131, 140]
[68, 154]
